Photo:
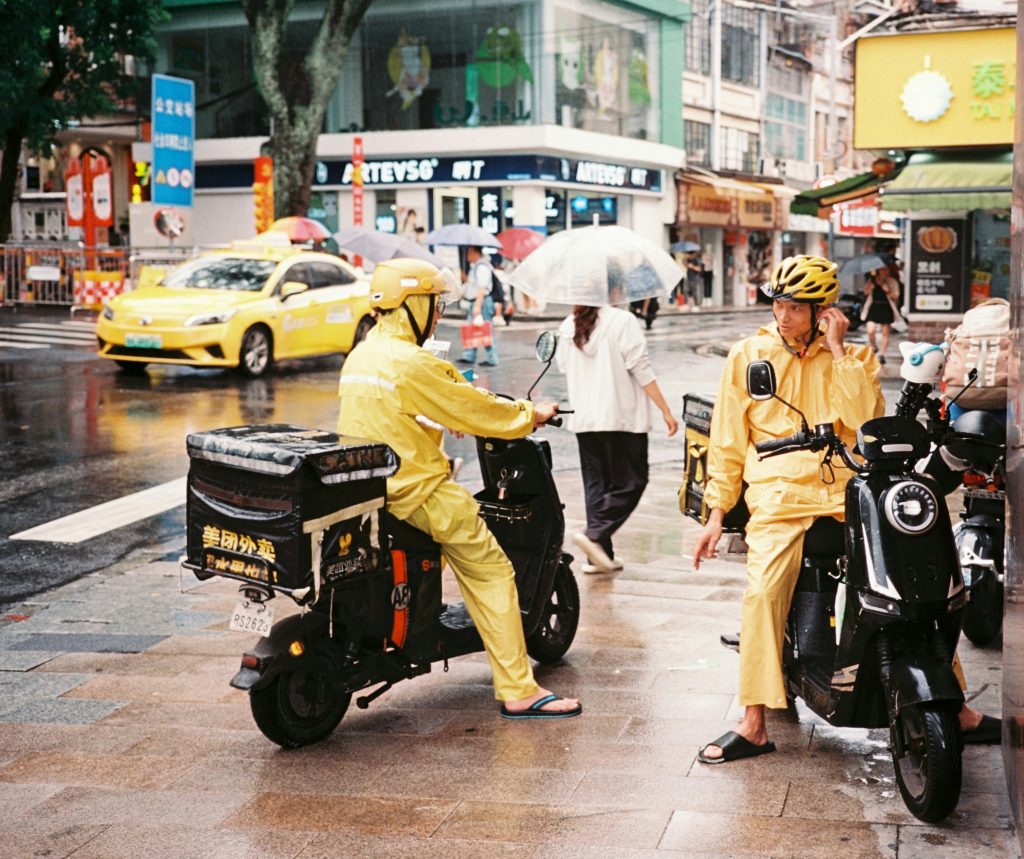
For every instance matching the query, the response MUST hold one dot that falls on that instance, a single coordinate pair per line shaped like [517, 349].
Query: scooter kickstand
[364, 701]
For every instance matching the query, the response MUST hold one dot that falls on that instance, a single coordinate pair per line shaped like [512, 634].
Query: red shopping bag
[474, 336]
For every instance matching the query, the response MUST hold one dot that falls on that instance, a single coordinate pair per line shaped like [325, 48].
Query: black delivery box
[697, 412]
[286, 507]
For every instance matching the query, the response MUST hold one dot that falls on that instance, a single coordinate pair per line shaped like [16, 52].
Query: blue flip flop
[534, 711]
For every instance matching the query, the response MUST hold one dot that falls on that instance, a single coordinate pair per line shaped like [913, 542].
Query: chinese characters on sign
[173, 174]
[235, 545]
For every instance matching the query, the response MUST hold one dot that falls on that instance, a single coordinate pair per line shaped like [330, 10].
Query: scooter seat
[405, 536]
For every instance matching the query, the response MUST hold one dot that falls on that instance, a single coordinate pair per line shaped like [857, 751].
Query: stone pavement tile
[338, 813]
[62, 711]
[86, 804]
[87, 642]
[346, 844]
[25, 660]
[435, 752]
[539, 824]
[983, 769]
[438, 693]
[142, 664]
[217, 644]
[20, 688]
[185, 842]
[623, 758]
[281, 772]
[129, 687]
[701, 731]
[656, 705]
[52, 839]
[229, 716]
[391, 720]
[98, 770]
[882, 803]
[748, 835]
[18, 738]
[679, 792]
[19, 799]
[579, 679]
[487, 784]
[930, 842]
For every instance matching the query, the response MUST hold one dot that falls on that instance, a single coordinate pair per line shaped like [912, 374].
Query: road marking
[102, 518]
[4, 344]
[47, 336]
[63, 330]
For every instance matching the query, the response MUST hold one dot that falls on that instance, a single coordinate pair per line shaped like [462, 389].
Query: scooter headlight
[911, 507]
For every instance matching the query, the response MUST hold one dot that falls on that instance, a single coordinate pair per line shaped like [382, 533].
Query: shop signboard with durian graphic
[929, 90]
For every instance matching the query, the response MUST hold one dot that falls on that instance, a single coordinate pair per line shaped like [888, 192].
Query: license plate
[252, 617]
[144, 341]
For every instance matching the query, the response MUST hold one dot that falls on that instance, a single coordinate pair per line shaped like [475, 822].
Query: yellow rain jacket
[393, 391]
[785, 493]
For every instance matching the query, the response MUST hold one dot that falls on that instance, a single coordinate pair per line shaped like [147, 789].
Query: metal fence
[48, 274]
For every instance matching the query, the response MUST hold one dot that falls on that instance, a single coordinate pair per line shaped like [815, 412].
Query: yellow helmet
[803, 278]
[396, 279]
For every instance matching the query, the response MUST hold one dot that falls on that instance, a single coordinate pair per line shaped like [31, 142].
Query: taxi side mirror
[761, 382]
[292, 287]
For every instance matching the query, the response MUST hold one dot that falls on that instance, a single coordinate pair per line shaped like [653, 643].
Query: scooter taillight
[975, 478]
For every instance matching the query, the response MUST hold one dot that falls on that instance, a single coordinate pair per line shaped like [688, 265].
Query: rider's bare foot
[558, 705]
[751, 727]
[969, 718]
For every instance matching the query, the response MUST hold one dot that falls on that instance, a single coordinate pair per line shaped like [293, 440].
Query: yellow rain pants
[388, 386]
[785, 493]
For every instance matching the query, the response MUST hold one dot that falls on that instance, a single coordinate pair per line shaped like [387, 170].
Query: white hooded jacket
[606, 378]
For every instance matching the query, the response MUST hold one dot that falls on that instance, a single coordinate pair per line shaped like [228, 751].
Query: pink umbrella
[300, 229]
[519, 242]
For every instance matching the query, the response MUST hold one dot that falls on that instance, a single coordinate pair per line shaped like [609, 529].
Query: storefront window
[785, 127]
[698, 40]
[990, 275]
[739, 150]
[386, 213]
[697, 139]
[741, 46]
[604, 69]
[434, 67]
[592, 209]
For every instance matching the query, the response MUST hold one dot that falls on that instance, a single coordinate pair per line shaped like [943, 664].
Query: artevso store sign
[487, 170]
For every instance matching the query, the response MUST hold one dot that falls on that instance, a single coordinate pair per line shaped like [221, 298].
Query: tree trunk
[9, 179]
[293, 148]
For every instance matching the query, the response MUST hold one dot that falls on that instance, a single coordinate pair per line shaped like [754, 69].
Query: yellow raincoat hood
[843, 392]
[395, 392]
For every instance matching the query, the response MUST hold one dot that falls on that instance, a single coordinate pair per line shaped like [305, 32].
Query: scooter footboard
[921, 678]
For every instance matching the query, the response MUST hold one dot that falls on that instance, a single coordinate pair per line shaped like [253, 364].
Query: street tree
[64, 62]
[296, 86]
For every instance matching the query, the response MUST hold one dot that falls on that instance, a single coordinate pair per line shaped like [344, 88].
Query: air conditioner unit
[770, 167]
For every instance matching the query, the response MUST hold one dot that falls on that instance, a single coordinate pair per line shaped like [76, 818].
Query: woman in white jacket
[613, 393]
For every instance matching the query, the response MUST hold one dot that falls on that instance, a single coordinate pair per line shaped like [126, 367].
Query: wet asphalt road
[75, 432]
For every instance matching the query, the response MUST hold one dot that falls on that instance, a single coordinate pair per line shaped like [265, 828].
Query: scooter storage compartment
[697, 412]
[265, 501]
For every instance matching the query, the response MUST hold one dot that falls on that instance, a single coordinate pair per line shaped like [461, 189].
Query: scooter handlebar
[776, 445]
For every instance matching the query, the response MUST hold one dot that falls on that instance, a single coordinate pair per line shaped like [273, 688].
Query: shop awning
[813, 202]
[722, 183]
[936, 182]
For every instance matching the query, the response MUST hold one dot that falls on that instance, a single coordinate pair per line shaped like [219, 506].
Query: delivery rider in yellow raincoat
[830, 382]
[389, 384]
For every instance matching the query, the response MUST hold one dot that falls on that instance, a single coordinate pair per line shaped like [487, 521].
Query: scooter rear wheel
[983, 617]
[929, 772]
[554, 635]
[297, 708]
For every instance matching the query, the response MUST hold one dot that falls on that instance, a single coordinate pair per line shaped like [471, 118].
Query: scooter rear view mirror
[761, 383]
[546, 345]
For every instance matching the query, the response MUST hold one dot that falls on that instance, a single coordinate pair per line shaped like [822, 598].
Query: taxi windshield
[240, 274]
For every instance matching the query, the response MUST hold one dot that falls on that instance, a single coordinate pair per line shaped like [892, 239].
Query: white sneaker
[597, 556]
[590, 569]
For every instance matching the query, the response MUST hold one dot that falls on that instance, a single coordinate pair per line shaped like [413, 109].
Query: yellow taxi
[243, 307]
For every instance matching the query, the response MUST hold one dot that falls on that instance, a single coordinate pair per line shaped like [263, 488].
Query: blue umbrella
[462, 235]
[684, 247]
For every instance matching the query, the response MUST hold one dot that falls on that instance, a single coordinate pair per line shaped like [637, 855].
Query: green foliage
[64, 61]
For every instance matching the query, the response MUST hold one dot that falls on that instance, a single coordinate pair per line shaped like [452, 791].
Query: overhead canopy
[819, 201]
[937, 182]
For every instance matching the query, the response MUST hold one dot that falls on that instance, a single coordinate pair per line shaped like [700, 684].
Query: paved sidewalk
[120, 737]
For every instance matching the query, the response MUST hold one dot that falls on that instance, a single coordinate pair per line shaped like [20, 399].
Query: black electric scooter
[877, 610]
[371, 585]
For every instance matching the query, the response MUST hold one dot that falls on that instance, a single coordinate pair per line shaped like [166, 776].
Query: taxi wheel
[256, 354]
[362, 329]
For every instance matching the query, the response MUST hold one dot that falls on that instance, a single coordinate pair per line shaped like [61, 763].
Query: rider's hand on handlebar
[707, 541]
[836, 325]
[543, 412]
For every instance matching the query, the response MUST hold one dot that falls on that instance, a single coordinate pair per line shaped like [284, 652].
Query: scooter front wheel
[297, 708]
[554, 635]
[983, 617]
[930, 770]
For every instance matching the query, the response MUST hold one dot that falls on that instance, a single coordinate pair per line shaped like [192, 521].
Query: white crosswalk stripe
[42, 335]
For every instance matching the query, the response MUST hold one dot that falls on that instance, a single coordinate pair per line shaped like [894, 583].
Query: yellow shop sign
[916, 90]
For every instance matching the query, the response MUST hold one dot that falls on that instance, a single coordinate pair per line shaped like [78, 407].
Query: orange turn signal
[296, 648]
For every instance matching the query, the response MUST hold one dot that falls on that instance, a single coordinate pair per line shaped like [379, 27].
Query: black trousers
[614, 468]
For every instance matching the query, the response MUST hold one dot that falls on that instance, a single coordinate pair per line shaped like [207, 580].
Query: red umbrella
[300, 229]
[519, 242]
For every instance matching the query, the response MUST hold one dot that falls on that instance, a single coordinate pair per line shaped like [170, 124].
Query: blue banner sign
[174, 124]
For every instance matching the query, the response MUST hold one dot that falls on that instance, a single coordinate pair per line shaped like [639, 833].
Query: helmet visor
[447, 286]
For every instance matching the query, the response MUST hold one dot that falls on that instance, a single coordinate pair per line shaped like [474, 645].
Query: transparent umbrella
[594, 266]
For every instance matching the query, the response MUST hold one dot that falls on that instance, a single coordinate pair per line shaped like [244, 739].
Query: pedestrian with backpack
[479, 291]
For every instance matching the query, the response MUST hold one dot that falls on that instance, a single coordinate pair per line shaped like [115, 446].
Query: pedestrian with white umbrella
[612, 389]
